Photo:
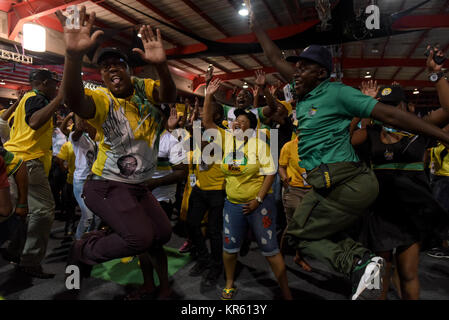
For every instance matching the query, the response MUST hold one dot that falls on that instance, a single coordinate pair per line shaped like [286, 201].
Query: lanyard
[234, 153]
[91, 142]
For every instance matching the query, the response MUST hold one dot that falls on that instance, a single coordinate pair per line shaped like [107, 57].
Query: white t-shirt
[58, 139]
[170, 153]
[85, 150]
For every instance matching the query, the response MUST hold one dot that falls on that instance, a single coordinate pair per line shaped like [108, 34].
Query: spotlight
[34, 37]
[139, 35]
[416, 91]
[243, 11]
[2, 82]
[245, 86]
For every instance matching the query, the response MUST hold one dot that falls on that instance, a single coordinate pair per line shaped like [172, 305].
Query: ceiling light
[245, 86]
[368, 76]
[2, 82]
[243, 11]
[416, 91]
[375, 51]
[139, 35]
[34, 37]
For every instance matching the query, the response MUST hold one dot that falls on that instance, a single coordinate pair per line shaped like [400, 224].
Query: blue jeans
[262, 222]
[88, 221]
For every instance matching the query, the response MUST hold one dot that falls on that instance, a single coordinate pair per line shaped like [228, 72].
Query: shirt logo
[312, 111]
[386, 91]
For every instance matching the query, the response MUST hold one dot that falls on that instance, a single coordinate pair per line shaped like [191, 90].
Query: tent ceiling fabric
[218, 19]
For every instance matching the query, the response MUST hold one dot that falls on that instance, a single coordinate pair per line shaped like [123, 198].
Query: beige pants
[41, 208]
[291, 199]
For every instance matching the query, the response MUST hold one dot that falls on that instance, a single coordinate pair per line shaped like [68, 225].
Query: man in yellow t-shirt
[207, 195]
[30, 139]
[295, 188]
[126, 114]
[293, 178]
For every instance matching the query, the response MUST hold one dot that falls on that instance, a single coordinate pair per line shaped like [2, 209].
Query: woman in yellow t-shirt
[249, 173]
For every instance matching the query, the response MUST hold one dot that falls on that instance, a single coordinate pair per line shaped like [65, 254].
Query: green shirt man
[323, 117]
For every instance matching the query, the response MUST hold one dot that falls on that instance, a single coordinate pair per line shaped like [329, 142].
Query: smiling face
[244, 99]
[307, 77]
[115, 75]
[242, 122]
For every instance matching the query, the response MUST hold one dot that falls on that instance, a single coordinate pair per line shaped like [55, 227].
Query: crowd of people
[351, 177]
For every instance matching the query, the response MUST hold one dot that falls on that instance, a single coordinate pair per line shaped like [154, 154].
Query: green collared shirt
[323, 117]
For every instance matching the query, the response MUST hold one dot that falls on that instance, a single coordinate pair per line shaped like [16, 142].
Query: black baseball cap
[108, 52]
[391, 95]
[317, 54]
[43, 74]
[251, 116]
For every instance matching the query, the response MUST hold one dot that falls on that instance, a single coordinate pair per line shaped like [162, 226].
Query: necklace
[389, 153]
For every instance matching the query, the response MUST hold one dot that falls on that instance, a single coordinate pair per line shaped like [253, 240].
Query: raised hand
[154, 48]
[173, 120]
[370, 88]
[431, 64]
[213, 86]
[261, 78]
[273, 90]
[79, 41]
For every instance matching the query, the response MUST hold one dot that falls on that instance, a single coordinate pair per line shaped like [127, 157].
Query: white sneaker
[367, 278]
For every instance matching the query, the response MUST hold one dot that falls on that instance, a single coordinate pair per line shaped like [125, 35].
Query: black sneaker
[439, 253]
[213, 275]
[367, 278]
[198, 269]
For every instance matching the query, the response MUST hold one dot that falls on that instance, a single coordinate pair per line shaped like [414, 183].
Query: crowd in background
[352, 177]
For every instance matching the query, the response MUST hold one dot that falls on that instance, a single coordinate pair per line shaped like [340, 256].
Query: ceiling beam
[115, 11]
[421, 21]
[162, 14]
[192, 6]
[273, 16]
[20, 14]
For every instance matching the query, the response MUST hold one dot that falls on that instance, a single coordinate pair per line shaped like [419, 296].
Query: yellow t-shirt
[208, 176]
[129, 135]
[439, 161]
[25, 142]
[289, 158]
[246, 168]
[68, 155]
[181, 109]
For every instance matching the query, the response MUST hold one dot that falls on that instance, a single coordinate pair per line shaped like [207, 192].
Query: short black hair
[251, 117]
[42, 74]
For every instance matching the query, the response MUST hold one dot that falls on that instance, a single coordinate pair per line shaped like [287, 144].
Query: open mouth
[116, 80]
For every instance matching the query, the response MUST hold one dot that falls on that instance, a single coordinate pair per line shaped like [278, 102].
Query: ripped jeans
[262, 222]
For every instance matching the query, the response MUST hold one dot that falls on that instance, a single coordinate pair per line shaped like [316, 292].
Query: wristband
[22, 206]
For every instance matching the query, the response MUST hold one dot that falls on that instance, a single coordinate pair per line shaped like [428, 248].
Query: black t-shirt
[285, 132]
[407, 150]
[33, 104]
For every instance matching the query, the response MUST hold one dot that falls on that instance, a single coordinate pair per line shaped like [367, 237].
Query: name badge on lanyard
[192, 179]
